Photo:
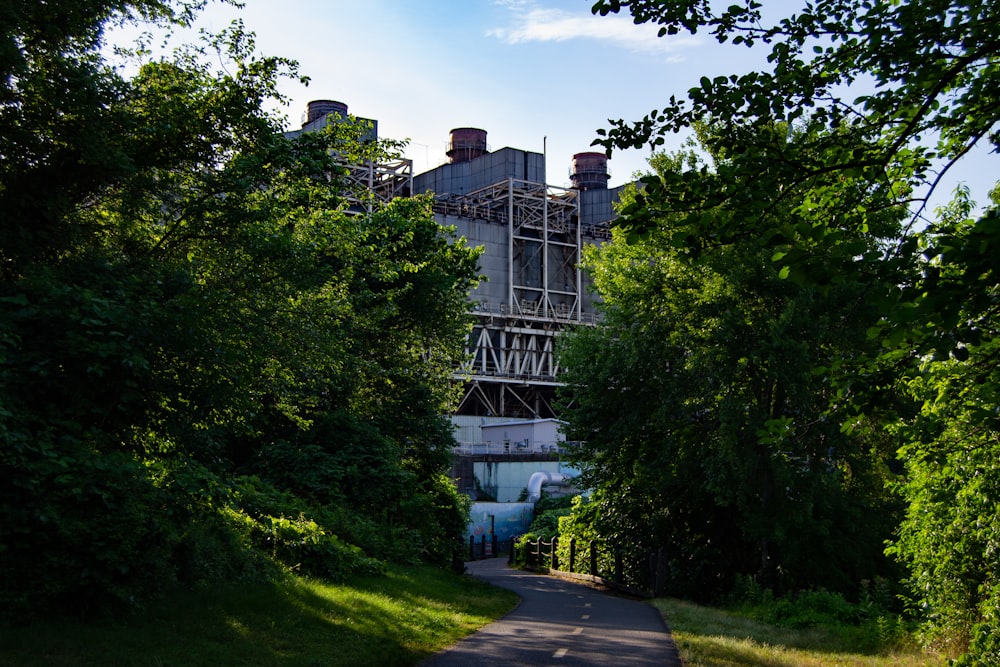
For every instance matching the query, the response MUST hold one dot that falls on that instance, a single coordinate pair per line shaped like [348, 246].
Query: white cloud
[531, 23]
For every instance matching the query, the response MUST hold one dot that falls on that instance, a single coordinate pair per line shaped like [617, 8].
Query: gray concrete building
[533, 235]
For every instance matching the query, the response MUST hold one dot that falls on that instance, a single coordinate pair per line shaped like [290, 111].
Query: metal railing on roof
[560, 312]
[512, 448]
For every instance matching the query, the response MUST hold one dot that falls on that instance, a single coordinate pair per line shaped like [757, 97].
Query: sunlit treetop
[916, 83]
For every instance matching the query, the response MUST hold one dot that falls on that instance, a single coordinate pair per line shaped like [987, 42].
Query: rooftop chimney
[590, 171]
[321, 108]
[466, 144]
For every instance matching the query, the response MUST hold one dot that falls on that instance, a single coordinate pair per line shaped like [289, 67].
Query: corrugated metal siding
[481, 172]
[467, 428]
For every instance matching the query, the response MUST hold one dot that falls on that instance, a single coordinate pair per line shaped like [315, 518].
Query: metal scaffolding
[534, 234]
[511, 368]
[370, 182]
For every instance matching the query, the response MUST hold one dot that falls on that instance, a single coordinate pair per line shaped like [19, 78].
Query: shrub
[293, 533]
[578, 524]
[524, 546]
[436, 517]
[84, 533]
[302, 545]
[803, 612]
[546, 525]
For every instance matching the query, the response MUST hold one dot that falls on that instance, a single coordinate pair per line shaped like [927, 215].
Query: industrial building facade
[533, 235]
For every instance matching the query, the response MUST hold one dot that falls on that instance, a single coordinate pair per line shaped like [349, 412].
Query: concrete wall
[507, 520]
[504, 480]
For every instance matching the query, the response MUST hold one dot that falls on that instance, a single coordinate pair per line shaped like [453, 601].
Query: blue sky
[532, 73]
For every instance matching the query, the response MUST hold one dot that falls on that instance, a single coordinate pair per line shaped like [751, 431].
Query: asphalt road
[564, 623]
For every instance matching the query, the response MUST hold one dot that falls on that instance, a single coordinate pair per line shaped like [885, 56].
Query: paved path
[564, 623]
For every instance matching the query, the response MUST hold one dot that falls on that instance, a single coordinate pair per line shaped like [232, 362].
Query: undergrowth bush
[81, 534]
[434, 521]
[874, 623]
[811, 608]
[302, 545]
[98, 534]
[579, 524]
[293, 533]
[549, 513]
[350, 477]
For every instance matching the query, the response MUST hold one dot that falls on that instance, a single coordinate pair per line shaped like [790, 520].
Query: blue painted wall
[507, 520]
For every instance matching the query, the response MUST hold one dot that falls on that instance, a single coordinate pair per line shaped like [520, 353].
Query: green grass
[710, 637]
[399, 619]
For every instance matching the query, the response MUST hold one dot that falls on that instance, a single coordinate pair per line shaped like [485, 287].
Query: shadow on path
[561, 622]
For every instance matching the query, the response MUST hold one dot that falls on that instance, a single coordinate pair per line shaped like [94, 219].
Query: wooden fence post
[511, 555]
[661, 572]
[472, 547]
[496, 551]
[593, 558]
[572, 553]
[555, 558]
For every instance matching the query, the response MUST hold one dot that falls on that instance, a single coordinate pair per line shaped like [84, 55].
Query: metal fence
[486, 547]
[637, 571]
[506, 448]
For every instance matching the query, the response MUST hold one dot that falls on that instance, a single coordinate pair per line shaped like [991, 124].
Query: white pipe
[540, 479]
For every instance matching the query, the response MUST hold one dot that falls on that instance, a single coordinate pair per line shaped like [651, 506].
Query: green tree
[904, 90]
[946, 361]
[705, 426]
[191, 316]
[927, 75]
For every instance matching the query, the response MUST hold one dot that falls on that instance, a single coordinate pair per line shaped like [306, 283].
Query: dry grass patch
[709, 637]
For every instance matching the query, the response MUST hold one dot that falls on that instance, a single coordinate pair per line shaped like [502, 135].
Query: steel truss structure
[369, 182]
[511, 369]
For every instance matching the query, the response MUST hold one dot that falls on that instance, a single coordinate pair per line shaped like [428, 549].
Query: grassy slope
[710, 637]
[396, 620]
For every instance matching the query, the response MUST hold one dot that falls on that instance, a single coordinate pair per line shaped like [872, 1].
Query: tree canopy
[210, 367]
[707, 431]
[883, 98]
[913, 83]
